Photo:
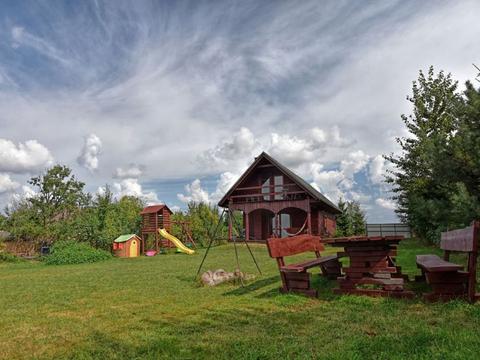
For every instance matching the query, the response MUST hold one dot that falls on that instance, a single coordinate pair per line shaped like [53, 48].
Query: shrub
[71, 252]
[7, 257]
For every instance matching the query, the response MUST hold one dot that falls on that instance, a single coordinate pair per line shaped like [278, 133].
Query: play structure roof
[123, 238]
[297, 179]
[155, 208]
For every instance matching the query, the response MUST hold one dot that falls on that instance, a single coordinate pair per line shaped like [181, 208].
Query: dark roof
[154, 209]
[314, 193]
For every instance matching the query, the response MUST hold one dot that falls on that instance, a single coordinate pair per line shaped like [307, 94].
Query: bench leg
[332, 269]
[297, 283]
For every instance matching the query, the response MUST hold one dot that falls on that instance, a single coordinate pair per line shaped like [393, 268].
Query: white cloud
[19, 196]
[7, 184]
[231, 153]
[90, 152]
[194, 193]
[386, 203]
[22, 158]
[285, 69]
[291, 150]
[336, 184]
[355, 162]
[132, 171]
[131, 187]
[377, 169]
[21, 37]
[328, 182]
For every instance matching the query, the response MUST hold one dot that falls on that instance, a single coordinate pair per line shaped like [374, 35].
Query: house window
[278, 181]
[266, 190]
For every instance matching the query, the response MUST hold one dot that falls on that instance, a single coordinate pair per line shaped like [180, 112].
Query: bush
[10, 258]
[71, 252]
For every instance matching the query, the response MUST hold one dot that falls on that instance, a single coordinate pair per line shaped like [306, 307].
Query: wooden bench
[447, 279]
[295, 277]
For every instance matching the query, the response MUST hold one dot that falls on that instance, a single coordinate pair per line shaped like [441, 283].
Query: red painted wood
[278, 247]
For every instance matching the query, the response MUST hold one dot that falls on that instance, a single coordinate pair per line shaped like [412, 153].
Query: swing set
[228, 215]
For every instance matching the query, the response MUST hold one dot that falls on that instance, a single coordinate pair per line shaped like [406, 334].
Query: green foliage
[203, 221]
[436, 181]
[5, 256]
[9, 258]
[71, 252]
[352, 220]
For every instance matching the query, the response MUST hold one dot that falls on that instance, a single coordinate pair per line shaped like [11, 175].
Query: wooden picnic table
[372, 270]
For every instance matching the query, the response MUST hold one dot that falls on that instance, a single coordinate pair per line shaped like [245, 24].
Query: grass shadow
[252, 286]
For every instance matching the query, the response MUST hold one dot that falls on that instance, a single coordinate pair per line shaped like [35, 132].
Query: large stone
[212, 278]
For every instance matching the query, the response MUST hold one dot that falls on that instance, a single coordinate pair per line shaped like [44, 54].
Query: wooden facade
[153, 218]
[277, 203]
[126, 246]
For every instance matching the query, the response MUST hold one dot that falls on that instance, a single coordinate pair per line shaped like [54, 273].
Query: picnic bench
[447, 279]
[295, 277]
[372, 270]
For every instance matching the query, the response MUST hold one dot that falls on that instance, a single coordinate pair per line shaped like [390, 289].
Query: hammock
[299, 231]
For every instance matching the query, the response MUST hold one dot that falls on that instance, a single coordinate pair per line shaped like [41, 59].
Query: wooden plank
[432, 263]
[459, 240]
[446, 277]
[371, 253]
[280, 247]
[297, 276]
[351, 270]
[297, 284]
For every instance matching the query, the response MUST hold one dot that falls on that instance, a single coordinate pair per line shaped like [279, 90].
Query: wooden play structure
[447, 279]
[127, 246]
[295, 277]
[155, 217]
[276, 202]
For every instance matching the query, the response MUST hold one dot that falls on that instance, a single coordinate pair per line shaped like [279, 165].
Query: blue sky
[171, 101]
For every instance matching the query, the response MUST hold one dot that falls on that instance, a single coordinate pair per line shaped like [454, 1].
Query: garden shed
[127, 246]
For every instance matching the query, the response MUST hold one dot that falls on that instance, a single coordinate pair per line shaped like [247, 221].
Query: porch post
[309, 222]
[230, 238]
[278, 232]
[247, 226]
[319, 223]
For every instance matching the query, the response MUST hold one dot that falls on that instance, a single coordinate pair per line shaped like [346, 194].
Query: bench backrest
[280, 247]
[463, 240]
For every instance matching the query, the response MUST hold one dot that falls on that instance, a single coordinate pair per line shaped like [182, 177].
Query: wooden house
[153, 218]
[276, 202]
[127, 246]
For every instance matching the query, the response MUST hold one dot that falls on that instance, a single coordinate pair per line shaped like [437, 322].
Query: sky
[172, 100]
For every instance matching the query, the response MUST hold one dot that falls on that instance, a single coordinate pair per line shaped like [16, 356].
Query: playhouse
[127, 246]
[155, 217]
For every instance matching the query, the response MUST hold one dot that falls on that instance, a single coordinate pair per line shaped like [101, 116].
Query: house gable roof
[154, 209]
[309, 189]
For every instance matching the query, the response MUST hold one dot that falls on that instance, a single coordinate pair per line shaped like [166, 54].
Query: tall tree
[422, 180]
[58, 195]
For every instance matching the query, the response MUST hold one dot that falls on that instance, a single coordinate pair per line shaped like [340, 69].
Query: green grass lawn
[152, 308]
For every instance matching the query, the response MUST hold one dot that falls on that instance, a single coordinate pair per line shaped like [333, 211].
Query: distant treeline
[62, 210]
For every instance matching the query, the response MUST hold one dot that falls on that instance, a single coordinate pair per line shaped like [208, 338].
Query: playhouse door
[134, 248]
